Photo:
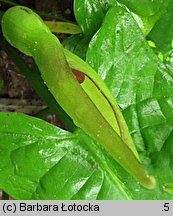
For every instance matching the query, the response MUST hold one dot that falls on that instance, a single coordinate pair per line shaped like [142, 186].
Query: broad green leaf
[169, 60]
[145, 7]
[90, 13]
[77, 44]
[142, 86]
[146, 23]
[169, 188]
[41, 161]
[160, 164]
[162, 33]
[140, 83]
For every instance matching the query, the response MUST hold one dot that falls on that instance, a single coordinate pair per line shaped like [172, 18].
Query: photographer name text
[62, 207]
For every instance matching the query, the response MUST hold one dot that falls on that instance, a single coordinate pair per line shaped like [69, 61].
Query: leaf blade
[45, 162]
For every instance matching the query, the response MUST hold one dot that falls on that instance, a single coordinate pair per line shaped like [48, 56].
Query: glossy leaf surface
[143, 88]
[162, 33]
[41, 161]
[90, 13]
[77, 44]
[140, 83]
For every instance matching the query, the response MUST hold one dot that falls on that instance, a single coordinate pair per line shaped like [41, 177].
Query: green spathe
[23, 39]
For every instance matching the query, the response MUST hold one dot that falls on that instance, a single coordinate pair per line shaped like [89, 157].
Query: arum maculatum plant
[76, 87]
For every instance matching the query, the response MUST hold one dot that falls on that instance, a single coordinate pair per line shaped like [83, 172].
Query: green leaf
[145, 7]
[169, 188]
[140, 83]
[90, 14]
[41, 161]
[162, 33]
[142, 86]
[63, 27]
[77, 44]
